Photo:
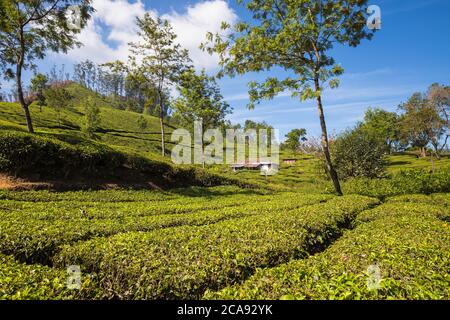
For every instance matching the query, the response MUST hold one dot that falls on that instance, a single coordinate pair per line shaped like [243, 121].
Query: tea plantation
[223, 242]
[210, 234]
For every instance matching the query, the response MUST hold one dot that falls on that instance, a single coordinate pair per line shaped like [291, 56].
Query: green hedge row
[407, 182]
[127, 195]
[33, 282]
[397, 251]
[102, 210]
[34, 236]
[183, 262]
[24, 154]
[441, 199]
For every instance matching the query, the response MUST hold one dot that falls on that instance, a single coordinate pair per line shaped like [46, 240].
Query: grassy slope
[305, 176]
[118, 127]
[407, 161]
[119, 130]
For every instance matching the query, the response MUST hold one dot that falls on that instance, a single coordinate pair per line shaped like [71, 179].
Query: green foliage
[57, 98]
[38, 86]
[91, 119]
[22, 153]
[383, 124]
[405, 242]
[142, 123]
[44, 227]
[200, 100]
[358, 153]
[294, 138]
[441, 199]
[33, 282]
[288, 35]
[185, 261]
[406, 182]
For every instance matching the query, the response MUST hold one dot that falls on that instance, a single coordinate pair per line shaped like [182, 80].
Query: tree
[359, 153]
[91, 119]
[86, 74]
[33, 27]
[294, 138]
[439, 99]
[383, 124]
[57, 98]
[297, 36]
[156, 63]
[200, 100]
[142, 123]
[421, 123]
[38, 85]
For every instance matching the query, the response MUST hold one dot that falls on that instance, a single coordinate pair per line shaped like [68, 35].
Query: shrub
[357, 153]
[33, 232]
[34, 282]
[183, 262]
[22, 153]
[406, 243]
[91, 120]
[406, 182]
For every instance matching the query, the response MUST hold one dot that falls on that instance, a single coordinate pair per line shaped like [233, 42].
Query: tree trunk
[436, 151]
[22, 101]
[161, 121]
[163, 147]
[432, 164]
[203, 147]
[423, 152]
[325, 144]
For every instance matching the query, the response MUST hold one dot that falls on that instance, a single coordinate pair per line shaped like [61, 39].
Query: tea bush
[183, 262]
[406, 243]
[442, 199]
[34, 282]
[22, 154]
[407, 182]
[33, 232]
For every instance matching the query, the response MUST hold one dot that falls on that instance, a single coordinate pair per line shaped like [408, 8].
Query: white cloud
[191, 27]
[107, 35]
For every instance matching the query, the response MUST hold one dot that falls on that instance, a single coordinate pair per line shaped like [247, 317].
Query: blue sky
[410, 52]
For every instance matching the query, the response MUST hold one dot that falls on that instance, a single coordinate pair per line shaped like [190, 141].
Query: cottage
[263, 166]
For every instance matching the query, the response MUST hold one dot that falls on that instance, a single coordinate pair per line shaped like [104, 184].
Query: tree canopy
[297, 36]
[31, 28]
[294, 138]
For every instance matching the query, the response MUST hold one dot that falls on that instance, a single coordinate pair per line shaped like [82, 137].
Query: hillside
[118, 127]
[60, 156]
[119, 133]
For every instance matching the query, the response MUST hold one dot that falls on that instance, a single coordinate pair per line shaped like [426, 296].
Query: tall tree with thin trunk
[30, 28]
[200, 100]
[156, 62]
[297, 36]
